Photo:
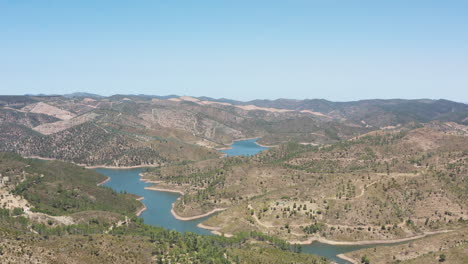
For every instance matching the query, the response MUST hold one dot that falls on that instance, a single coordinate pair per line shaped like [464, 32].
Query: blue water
[159, 204]
[247, 147]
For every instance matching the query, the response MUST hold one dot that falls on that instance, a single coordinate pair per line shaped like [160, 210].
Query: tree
[17, 211]
[365, 260]
[442, 258]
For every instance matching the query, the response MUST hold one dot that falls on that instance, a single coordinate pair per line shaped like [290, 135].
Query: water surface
[159, 203]
[247, 147]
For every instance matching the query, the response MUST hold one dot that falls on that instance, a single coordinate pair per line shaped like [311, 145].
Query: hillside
[124, 130]
[54, 188]
[379, 186]
[374, 112]
[447, 248]
[378, 113]
[374, 170]
[54, 212]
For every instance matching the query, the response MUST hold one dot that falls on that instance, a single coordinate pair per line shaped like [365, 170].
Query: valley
[233, 132]
[86, 223]
[321, 177]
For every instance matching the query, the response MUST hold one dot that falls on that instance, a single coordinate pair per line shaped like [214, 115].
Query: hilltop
[140, 130]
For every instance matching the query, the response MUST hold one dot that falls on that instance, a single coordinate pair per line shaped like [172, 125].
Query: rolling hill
[133, 130]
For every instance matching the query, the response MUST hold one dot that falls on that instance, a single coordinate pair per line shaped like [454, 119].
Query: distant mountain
[15, 101]
[80, 94]
[374, 112]
[378, 112]
[221, 100]
[163, 97]
[42, 95]
[344, 171]
[63, 127]
[141, 96]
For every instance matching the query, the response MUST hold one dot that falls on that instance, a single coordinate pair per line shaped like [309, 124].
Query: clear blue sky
[239, 49]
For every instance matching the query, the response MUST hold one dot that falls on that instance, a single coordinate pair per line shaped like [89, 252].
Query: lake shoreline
[366, 242]
[310, 241]
[176, 216]
[104, 181]
[151, 188]
[148, 165]
[265, 146]
[141, 210]
[346, 258]
[229, 146]
[189, 218]
[118, 167]
[214, 230]
[197, 226]
[96, 166]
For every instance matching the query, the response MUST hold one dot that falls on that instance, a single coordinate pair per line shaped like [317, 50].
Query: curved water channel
[159, 203]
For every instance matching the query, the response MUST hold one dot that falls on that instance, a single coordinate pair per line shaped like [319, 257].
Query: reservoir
[246, 147]
[159, 204]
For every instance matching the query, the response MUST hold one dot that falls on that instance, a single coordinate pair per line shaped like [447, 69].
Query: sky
[243, 49]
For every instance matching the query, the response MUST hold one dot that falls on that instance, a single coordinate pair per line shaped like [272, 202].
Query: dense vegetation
[58, 188]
